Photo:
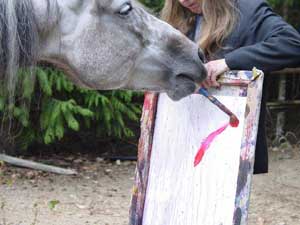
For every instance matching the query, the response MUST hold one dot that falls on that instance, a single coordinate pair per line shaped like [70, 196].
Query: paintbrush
[233, 121]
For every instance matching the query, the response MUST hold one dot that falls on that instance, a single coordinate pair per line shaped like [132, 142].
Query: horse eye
[126, 9]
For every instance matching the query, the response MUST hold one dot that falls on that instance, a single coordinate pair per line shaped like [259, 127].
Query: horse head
[114, 44]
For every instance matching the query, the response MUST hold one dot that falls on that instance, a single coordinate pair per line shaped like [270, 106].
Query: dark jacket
[261, 39]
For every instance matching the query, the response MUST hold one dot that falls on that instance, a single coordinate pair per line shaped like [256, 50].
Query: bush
[156, 5]
[54, 106]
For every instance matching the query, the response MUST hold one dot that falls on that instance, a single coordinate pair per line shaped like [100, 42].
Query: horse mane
[18, 42]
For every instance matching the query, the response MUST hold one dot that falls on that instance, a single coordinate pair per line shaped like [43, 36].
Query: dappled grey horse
[100, 44]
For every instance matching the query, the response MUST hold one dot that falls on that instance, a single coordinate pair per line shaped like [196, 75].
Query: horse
[99, 44]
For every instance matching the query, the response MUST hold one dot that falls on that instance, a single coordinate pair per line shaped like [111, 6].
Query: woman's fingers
[214, 78]
[205, 84]
[210, 72]
[214, 70]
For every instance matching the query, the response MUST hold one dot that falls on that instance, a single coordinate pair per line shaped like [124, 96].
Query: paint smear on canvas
[210, 138]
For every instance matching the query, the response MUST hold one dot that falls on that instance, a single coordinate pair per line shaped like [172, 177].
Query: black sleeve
[273, 44]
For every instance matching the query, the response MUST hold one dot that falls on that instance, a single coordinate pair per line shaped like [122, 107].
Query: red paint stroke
[234, 121]
[207, 141]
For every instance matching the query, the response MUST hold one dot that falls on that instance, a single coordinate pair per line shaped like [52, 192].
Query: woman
[237, 35]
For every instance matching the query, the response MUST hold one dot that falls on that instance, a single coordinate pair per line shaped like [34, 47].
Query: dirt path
[101, 194]
[275, 198]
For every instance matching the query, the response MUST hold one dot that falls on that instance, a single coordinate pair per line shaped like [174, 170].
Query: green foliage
[156, 5]
[276, 3]
[55, 105]
[288, 9]
[52, 204]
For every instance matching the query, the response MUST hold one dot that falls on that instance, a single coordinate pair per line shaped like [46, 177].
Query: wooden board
[168, 189]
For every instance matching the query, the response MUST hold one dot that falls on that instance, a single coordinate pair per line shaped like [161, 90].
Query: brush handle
[203, 91]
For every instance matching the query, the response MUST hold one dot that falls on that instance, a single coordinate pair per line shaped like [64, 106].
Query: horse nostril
[201, 55]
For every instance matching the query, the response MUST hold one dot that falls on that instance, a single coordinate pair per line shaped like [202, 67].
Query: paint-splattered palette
[169, 190]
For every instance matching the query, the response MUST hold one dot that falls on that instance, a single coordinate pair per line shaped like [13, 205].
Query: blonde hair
[219, 20]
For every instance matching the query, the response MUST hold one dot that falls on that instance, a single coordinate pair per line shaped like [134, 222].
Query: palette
[168, 189]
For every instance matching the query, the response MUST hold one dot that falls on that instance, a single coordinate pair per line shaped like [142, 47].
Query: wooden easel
[168, 189]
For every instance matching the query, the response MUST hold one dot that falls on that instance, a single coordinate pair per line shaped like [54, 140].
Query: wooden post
[144, 155]
[168, 189]
[280, 120]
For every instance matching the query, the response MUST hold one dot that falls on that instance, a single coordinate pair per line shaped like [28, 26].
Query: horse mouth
[183, 85]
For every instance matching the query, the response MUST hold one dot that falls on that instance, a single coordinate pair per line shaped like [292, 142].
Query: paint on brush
[233, 122]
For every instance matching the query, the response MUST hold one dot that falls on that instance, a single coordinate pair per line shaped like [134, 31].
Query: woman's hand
[214, 69]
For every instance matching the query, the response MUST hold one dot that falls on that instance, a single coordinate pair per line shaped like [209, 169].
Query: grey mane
[18, 41]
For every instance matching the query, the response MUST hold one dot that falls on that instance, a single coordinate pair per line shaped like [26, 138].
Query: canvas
[168, 189]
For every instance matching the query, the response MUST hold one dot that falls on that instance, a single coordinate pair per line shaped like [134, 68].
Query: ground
[100, 194]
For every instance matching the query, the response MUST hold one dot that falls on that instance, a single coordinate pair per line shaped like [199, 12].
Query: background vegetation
[54, 107]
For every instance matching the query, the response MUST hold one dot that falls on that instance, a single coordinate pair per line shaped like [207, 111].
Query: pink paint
[147, 101]
[207, 141]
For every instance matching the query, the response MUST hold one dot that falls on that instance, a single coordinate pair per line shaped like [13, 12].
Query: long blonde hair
[219, 20]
